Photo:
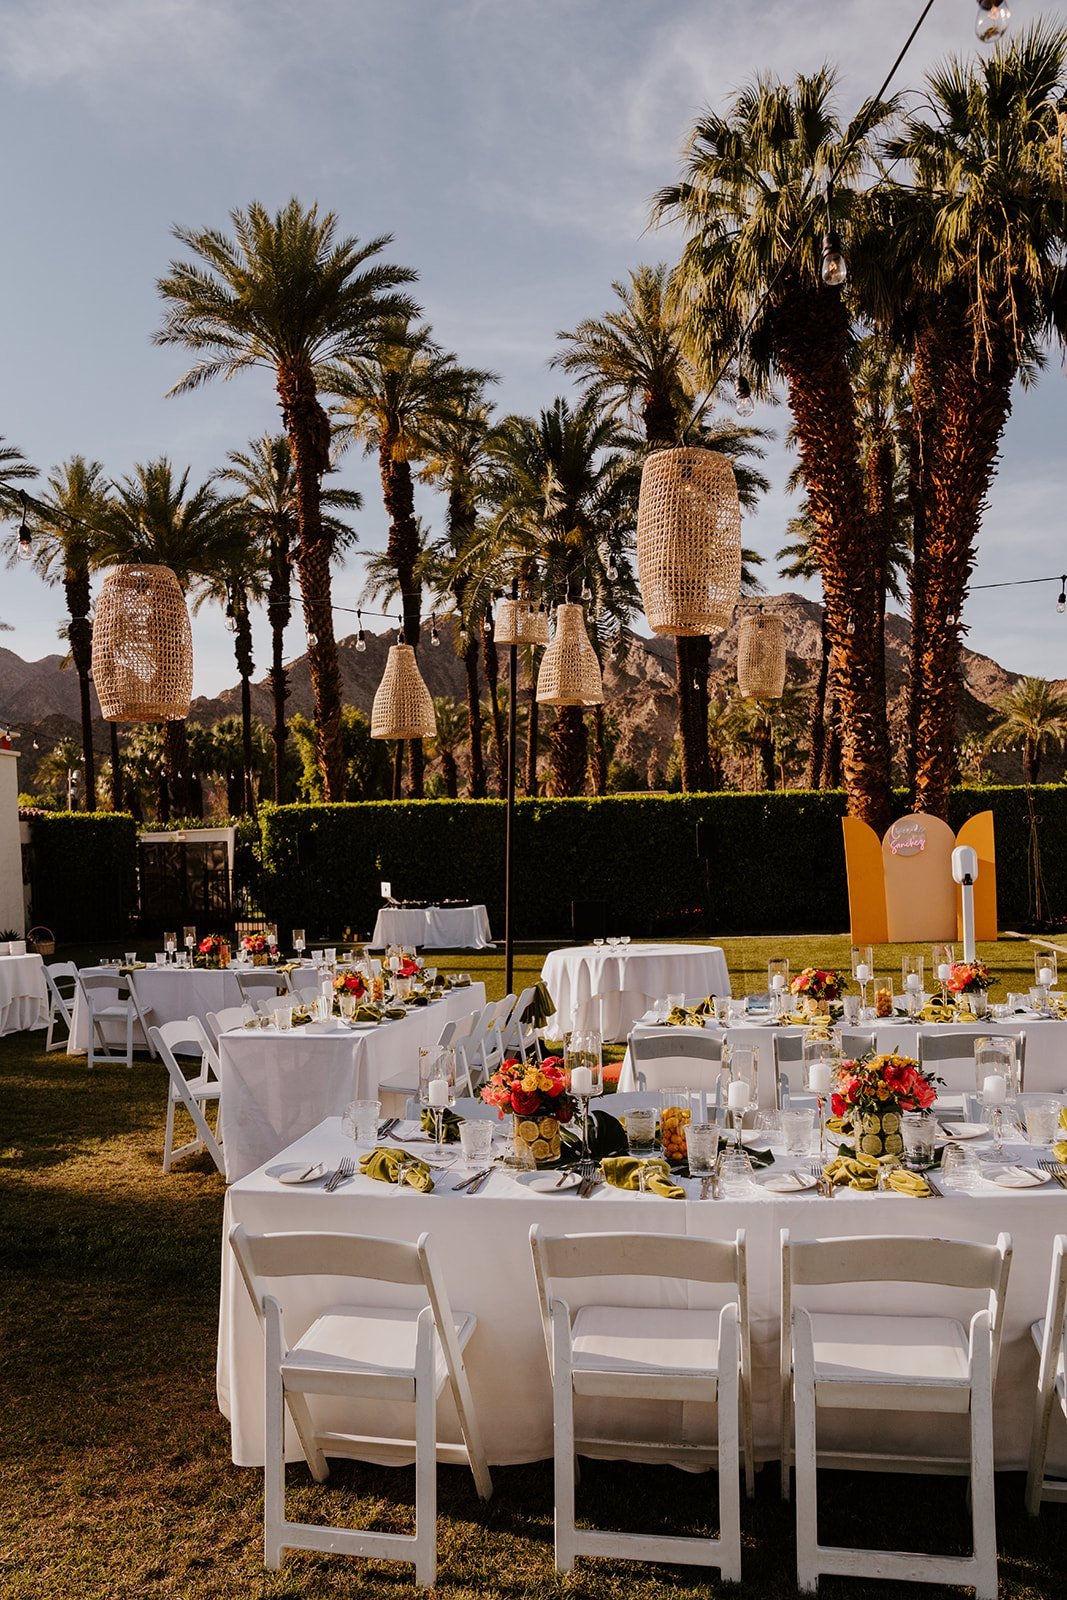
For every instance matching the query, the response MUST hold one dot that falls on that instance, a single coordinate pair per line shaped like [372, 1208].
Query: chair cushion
[368, 1339]
[926, 1355]
[633, 1346]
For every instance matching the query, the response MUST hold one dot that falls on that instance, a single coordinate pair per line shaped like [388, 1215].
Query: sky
[511, 148]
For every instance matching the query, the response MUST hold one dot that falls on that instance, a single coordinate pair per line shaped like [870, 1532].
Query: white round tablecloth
[275, 1086]
[171, 993]
[23, 993]
[630, 979]
[433, 927]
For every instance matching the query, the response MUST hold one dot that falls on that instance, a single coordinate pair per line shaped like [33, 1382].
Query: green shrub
[84, 873]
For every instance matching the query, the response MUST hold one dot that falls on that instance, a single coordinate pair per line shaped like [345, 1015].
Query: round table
[629, 979]
[23, 993]
[433, 927]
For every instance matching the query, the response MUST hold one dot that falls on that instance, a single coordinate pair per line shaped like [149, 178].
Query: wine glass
[818, 1053]
[437, 1087]
[598, 941]
[613, 941]
[624, 939]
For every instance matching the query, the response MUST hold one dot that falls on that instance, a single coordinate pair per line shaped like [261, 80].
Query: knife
[387, 1126]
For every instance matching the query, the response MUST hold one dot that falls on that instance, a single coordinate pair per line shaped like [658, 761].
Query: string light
[25, 541]
[587, 593]
[435, 637]
[992, 20]
[834, 271]
[1061, 601]
[361, 637]
[745, 405]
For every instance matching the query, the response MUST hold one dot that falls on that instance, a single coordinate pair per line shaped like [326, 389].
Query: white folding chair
[193, 1093]
[60, 1005]
[476, 1049]
[258, 984]
[1050, 1336]
[896, 1362]
[676, 1058]
[951, 1056]
[648, 1353]
[112, 999]
[519, 1038]
[229, 1017]
[407, 1083]
[363, 1351]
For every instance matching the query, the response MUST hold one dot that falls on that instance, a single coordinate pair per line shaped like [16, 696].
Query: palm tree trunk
[492, 678]
[398, 492]
[280, 610]
[567, 752]
[398, 769]
[80, 638]
[1031, 758]
[817, 724]
[176, 760]
[831, 775]
[242, 641]
[691, 664]
[598, 766]
[117, 795]
[308, 428]
[476, 785]
[450, 773]
[533, 733]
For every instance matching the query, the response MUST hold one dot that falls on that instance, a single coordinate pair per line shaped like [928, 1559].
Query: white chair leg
[804, 1454]
[563, 1432]
[983, 1508]
[785, 1432]
[168, 1135]
[129, 1036]
[1035, 1474]
[425, 1455]
[729, 1448]
[274, 1446]
[305, 1430]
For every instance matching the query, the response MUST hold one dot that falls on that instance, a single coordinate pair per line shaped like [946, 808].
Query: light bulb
[435, 637]
[1061, 603]
[587, 593]
[992, 20]
[313, 640]
[743, 394]
[612, 573]
[834, 264]
[361, 641]
[25, 543]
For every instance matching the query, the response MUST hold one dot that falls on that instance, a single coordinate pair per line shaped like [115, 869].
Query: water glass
[1016, 1002]
[735, 1173]
[722, 1011]
[797, 1128]
[1042, 1120]
[1038, 998]
[641, 1129]
[677, 1002]
[131, 957]
[959, 1166]
[702, 1146]
[476, 1141]
[917, 1131]
[360, 1121]
[347, 1003]
[850, 1005]
[283, 1017]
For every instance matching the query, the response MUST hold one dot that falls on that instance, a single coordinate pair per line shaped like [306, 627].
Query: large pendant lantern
[688, 541]
[761, 656]
[520, 622]
[402, 706]
[142, 646]
[570, 672]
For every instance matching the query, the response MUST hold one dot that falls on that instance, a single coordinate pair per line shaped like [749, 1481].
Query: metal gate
[185, 881]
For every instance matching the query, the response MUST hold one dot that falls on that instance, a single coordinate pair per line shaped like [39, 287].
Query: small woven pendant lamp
[688, 541]
[570, 671]
[402, 706]
[761, 656]
[520, 622]
[142, 646]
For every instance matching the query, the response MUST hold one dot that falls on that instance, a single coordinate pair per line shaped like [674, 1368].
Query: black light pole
[509, 833]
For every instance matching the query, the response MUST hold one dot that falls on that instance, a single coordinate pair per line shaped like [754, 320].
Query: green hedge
[84, 874]
[776, 863]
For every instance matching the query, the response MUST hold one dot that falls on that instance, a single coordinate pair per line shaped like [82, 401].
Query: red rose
[837, 1104]
[555, 1088]
[525, 1102]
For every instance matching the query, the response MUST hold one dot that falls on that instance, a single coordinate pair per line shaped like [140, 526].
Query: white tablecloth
[634, 977]
[275, 1086]
[482, 1245]
[433, 927]
[1046, 1047]
[23, 993]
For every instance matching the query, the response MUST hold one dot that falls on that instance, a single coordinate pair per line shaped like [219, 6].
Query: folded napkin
[622, 1173]
[385, 1164]
[933, 1011]
[861, 1172]
[681, 1017]
[450, 1124]
[137, 966]
[366, 1014]
[1059, 1150]
[287, 966]
[390, 1014]
[541, 1006]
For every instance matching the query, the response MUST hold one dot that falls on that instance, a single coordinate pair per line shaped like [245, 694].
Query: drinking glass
[978, 1001]
[1016, 1002]
[330, 956]
[675, 1002]
[702, 1146]
[624, 939]
[283, 1017]
[613, 941]
[298, 941]
[917, 1131]
[1038, 998]
[189, 937]
[131, 957]
[851, 1006]
[463, 980]
[360, 1121]
[437, 1087]
[722, 1011]
[1042, 1120]
[797, 1128]
[1045, 967]
[641, 1129]
[347, 1003]
[476, 1142]
[598, 942]
[735, 1173]
[911, 973]
[959, 1166]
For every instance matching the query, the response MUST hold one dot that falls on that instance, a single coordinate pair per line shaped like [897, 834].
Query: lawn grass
[115, 1477]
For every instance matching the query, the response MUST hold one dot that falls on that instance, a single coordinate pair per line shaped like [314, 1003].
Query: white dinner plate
[298, 1172]
[548, 1182]
[790, 1182]
[1016, 1177]
[967, 1130]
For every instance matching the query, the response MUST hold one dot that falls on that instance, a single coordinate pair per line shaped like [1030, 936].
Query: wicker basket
[688, 541]
[402, 706]
[142, 646]
[570, 672]
[43, 941]
[761, 656]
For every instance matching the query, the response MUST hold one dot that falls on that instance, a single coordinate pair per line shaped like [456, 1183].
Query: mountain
[40, 698]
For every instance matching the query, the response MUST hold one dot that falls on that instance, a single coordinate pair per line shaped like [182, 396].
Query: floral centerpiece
[256, 945]
[350, 983]
[969, 977]
[408, 968]
[212, 951]
[815, 987]
[870, 1095]
[536, 1094]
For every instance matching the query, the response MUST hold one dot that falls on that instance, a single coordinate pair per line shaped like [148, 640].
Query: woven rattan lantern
[402, 707]
[761, 656]
[688, 541]
[520, 622]
[570, 671]
[142, 646]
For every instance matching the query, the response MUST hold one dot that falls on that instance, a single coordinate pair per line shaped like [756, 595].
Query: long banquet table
[276, 1085]
[433, 927]
[482, 1245]
[629, 979]
[23, 993]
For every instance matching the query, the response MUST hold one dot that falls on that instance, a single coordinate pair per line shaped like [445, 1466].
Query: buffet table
[23, 993]
[171, 993]
[433, 927]
[276, 1085]
[482, 1246]
[630, 979]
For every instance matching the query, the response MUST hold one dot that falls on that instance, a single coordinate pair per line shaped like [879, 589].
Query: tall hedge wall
[84, 873]
[776, 862]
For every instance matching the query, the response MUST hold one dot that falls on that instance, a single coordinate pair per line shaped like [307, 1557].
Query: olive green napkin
[861, 1172]
[933, 1011]
[137, 966]
[682, 1017]
[541, 1006]
[385, 1164]
[366, 1014]
[622, 1173]
[450, 1124]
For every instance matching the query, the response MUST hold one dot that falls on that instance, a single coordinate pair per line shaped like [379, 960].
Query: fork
[345, 1170]
[1057, 1170]
[823, 1185]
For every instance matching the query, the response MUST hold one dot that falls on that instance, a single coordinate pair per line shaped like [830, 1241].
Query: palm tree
[146, 771]
[284, 293]
[973, 262]
[1032, 714]
[267, 490]
[154, 517]
[753, 258]
[59, 770]
[239, 581]
[63, 520]
[14, 469]
[451, 733]
[633, 361]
